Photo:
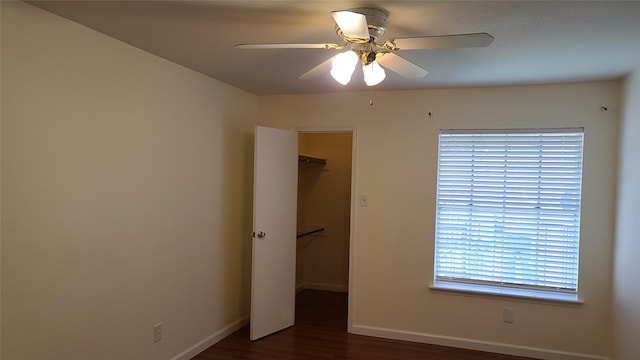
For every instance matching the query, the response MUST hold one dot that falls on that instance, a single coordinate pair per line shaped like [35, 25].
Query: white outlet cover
[508, 315]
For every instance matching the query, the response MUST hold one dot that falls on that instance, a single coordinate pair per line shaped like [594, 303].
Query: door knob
[260, 234]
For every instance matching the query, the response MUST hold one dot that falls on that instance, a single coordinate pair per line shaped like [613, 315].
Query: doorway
[324, 202]
[275, 242]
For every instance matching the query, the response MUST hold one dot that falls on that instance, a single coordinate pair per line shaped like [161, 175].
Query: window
[508, 212]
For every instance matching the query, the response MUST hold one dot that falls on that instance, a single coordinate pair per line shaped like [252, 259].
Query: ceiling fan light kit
[373, 74]
[343, 65]
[360, 29]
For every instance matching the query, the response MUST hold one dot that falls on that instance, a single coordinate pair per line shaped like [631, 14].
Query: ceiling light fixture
[343, 66]
[373, 73]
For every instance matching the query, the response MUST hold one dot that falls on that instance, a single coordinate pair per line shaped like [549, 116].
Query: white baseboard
[325, 287]
[212, 339]
[494, 347]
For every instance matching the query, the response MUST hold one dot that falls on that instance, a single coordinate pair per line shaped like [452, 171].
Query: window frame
[494, 288]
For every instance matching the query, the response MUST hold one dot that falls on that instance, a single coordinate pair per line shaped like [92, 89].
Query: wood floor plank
[320, 332]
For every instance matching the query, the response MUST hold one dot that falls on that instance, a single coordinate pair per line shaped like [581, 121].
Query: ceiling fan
[360, 30]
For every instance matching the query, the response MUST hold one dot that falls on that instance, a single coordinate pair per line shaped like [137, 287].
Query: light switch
[364, 200]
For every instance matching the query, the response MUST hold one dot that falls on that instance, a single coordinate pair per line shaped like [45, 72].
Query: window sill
[521, 294]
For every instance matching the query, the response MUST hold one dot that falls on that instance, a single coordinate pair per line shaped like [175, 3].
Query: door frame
[353, 204]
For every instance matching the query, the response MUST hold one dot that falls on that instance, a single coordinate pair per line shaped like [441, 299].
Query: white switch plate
[157, 332]
[364, 200]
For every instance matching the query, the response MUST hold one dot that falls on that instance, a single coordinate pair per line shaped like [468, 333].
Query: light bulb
[343, 66]
[373, 73]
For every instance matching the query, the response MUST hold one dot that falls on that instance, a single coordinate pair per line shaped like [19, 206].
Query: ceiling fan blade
[321, 69]
[286, 46]
[401, 66]
[444, 41]
[353, 25]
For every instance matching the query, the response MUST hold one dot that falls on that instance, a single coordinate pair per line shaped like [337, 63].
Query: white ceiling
[535, 41]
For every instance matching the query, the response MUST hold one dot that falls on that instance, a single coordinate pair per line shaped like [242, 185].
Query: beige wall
[626, 286]
[392, 257]
[324, 198]
[0, 183]
[126, 196]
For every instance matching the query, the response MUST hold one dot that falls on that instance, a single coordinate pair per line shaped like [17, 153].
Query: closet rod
[309, 232]
[308, 159]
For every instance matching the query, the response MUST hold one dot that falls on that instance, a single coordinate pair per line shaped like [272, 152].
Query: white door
[273, 273]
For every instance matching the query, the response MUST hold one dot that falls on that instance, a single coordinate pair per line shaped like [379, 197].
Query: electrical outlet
[157, 332]
[508, 315]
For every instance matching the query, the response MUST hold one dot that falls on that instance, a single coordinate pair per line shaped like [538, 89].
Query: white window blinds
[508, 208]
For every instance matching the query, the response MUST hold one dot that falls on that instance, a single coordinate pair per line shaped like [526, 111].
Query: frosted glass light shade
[373, 73]
[343, 66]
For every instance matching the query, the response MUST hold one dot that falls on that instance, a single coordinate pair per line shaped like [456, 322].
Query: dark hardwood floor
[320, 332]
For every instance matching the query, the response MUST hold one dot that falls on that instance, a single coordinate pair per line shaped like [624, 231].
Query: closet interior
[324, 208]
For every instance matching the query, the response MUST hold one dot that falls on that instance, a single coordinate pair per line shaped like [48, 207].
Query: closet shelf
[311, 160]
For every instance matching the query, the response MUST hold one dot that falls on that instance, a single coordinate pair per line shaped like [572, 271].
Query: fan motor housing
[376, 21]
